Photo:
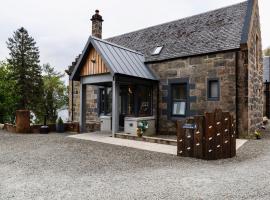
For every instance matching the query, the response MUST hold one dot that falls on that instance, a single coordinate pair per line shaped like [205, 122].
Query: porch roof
[118, 59]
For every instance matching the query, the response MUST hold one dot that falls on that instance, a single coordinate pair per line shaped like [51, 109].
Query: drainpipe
[72, 94]
[236, 93]
[157, 128]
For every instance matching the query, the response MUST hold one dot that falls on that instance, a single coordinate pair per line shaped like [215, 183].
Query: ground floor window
[178, 99]
[213, 89]
[127, 100]
[134, 100]
[105, 100]
[144, 99]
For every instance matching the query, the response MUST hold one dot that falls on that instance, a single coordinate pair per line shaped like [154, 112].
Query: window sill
[212, 99]
[175, 118]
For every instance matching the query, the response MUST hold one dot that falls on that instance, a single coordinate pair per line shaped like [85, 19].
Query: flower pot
[258, 137]
[60, 128]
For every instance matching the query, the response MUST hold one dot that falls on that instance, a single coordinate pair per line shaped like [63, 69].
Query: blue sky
[61, 27]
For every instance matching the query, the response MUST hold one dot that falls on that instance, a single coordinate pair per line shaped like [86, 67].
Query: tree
[267, 52]
[55, 92]
[8, 99]
[25, 70]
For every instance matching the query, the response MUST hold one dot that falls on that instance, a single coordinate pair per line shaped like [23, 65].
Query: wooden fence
[210, 137]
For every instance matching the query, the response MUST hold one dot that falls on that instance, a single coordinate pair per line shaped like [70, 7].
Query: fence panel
[180, 138]
[226, 135]
[219, 132]
[189, 139]
[198, 137]
[233, 138]
[210, 137]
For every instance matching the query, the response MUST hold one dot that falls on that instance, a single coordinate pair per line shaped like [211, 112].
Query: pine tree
[55, 92]
[25, 69]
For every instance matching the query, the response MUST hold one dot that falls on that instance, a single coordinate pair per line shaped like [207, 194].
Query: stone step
[147, 139]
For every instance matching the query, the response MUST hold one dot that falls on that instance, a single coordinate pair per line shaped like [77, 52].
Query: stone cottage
[171, 71]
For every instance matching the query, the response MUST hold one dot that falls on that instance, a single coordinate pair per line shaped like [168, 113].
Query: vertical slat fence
[210, 137]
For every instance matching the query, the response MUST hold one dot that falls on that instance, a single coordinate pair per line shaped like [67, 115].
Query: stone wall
[255, 73]
[197, 70]
[92, 119]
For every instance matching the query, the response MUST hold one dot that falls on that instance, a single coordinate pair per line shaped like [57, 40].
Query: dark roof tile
[217, 30]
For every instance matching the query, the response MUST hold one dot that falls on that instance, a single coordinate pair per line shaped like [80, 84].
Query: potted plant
[141, 128]
[257, 134]
[60, 125]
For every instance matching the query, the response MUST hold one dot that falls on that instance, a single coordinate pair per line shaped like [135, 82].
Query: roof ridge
[221, 8]
[116, 45]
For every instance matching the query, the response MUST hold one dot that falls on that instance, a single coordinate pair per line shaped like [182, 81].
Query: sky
[62, 27]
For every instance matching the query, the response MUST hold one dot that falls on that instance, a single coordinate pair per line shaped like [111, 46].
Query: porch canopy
[107, 64]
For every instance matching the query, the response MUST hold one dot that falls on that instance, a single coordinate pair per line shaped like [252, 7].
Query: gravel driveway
[56, 167]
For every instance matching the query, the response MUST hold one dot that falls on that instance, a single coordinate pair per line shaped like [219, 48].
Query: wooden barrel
[22, 121]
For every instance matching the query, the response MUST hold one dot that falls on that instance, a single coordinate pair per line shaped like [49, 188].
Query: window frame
[136, 100]
[154, 53]
[103, 106]
[209, 98]
[170, 101]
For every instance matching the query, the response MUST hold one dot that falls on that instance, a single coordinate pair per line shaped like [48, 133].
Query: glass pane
[213, 89]
[157, 50]
[144, 100]
[108, 100]
[179, 91]
[179, 108]
[127, 100]
[102, 100]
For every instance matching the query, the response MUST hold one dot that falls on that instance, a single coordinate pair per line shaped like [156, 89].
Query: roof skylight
[157, 50]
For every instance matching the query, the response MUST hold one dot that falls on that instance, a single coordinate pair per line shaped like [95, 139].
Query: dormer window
[157, 50]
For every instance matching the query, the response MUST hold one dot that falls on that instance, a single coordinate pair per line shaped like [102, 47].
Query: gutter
[189, 56]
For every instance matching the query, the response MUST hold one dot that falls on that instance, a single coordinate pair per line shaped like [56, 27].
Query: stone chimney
[97, 25]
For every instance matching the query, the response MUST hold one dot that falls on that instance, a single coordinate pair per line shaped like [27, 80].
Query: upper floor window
[157, 50]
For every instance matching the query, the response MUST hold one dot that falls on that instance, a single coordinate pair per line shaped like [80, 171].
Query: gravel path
[56, 167]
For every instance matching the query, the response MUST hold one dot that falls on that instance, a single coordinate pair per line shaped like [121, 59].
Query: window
[157, 50]
[144, 100]
[179, 99]
[127, 100]
[213, 89]
[105, 99]
[136, 100]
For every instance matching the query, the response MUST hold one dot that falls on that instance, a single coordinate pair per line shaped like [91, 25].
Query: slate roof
[218, 30]
[266, 69]
[118, 59]
[212, 31]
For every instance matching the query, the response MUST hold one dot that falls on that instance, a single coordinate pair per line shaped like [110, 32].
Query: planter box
[131, 124]
[60, 128]
[105, 123]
